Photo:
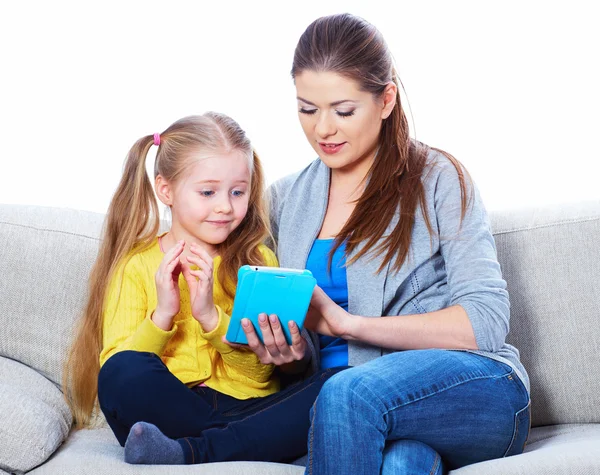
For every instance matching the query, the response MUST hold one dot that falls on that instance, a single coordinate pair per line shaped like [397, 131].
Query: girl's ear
[163, 190]
[389, 100]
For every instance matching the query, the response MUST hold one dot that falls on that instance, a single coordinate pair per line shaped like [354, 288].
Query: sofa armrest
[35, 417]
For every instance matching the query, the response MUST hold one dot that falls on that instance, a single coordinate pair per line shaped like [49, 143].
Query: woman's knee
[410, 457]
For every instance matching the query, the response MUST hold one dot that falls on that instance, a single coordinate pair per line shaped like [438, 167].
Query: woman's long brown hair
[352, 47]
[132, 224]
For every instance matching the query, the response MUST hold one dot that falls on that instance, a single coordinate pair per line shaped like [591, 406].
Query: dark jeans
[210, 426]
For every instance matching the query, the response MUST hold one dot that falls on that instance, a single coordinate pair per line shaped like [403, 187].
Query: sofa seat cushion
[569, 449]
[35, 417]
[97, 452]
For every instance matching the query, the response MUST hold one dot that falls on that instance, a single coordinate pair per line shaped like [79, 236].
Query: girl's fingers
[201, 275]
[201, 263]
[172, 257]
[201, 253]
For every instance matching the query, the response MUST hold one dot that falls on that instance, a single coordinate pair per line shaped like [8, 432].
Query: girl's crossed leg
[208, 426]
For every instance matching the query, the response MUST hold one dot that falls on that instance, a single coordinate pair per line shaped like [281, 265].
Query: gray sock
[146, 444]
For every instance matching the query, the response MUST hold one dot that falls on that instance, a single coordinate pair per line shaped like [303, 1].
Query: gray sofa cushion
[46, 255]
[96, 452]
[35, 417]
[553, 450]
[550, 260]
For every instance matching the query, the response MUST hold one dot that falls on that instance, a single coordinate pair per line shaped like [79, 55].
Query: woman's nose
[325, 126]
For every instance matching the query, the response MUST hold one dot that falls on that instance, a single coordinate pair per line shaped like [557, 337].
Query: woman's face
[341, 122]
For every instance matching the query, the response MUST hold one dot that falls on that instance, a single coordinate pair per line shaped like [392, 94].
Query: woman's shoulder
[443, 172]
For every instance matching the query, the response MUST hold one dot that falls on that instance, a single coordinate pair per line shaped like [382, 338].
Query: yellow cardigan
[191, 354]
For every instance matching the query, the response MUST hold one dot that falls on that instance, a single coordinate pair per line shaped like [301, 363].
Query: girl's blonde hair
[132, 224]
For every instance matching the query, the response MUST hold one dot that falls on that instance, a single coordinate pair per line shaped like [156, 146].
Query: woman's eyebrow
[333, 104]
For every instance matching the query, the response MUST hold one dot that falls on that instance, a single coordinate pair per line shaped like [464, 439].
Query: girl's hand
[275, 349]
[167, 287]
[200, 283]
[328, 318]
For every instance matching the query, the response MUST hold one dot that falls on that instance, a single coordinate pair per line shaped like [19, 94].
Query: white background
[510, 88]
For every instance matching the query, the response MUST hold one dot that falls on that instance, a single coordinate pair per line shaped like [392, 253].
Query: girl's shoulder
[140, 261]
[268, 255]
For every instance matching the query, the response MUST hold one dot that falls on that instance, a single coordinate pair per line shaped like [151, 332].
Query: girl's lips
[330, 149]
[218, 223]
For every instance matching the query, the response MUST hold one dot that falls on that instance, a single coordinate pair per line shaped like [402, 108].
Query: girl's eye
[237, 193]
[207, 193]
[308, 111]
[345, 114]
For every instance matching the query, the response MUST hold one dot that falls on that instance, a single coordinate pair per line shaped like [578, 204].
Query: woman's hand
[328, 318]
[167, 287]
[200, 283]
[275, 349]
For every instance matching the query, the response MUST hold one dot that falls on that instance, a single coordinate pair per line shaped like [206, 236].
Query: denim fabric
[454, 405]
[209, 426]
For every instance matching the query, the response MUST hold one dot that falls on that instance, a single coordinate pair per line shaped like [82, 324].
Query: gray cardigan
[454, 266]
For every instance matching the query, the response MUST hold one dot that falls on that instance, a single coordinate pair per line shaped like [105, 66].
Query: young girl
[151, 346]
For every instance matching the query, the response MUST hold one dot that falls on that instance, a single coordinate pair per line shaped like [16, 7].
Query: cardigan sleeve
[469, 251]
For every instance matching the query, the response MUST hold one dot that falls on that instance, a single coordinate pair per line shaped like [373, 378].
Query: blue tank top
[333, 351]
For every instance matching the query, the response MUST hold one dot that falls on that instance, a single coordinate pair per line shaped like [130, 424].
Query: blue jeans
[417, 412]
[210, 426]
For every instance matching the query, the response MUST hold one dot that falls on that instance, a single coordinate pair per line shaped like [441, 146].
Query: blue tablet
[270, 290]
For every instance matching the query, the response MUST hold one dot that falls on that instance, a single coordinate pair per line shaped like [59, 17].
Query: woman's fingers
[279, 336]
[267, 334]
[298, 347]
[254, 343]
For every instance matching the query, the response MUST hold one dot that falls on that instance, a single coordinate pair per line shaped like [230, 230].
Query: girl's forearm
[449, 328]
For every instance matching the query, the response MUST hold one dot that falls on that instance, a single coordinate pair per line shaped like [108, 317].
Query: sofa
[550, 260]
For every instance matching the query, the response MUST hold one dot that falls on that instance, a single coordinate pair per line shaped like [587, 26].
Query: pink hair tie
[157, 139]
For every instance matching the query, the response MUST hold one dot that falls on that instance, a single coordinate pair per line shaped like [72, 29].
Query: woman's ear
[389, 100]
[163, 190]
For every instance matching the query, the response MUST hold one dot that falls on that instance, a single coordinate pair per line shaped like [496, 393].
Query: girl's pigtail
[131, 223]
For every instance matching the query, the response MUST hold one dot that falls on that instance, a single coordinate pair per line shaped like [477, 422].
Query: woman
[392, 228]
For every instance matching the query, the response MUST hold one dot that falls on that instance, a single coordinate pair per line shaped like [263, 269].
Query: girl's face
[341, 122]
[211, 200]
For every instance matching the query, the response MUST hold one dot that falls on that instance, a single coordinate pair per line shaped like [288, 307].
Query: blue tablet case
[270, 290]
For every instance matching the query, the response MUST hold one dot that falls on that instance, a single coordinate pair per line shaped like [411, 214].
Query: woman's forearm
[449, 328]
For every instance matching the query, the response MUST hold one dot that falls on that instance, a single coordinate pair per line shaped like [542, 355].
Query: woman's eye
[308, 111]
[344, 114]
[207, 193]
[237, 193]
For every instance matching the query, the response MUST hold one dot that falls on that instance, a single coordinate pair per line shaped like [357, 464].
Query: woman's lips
[331, 148]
